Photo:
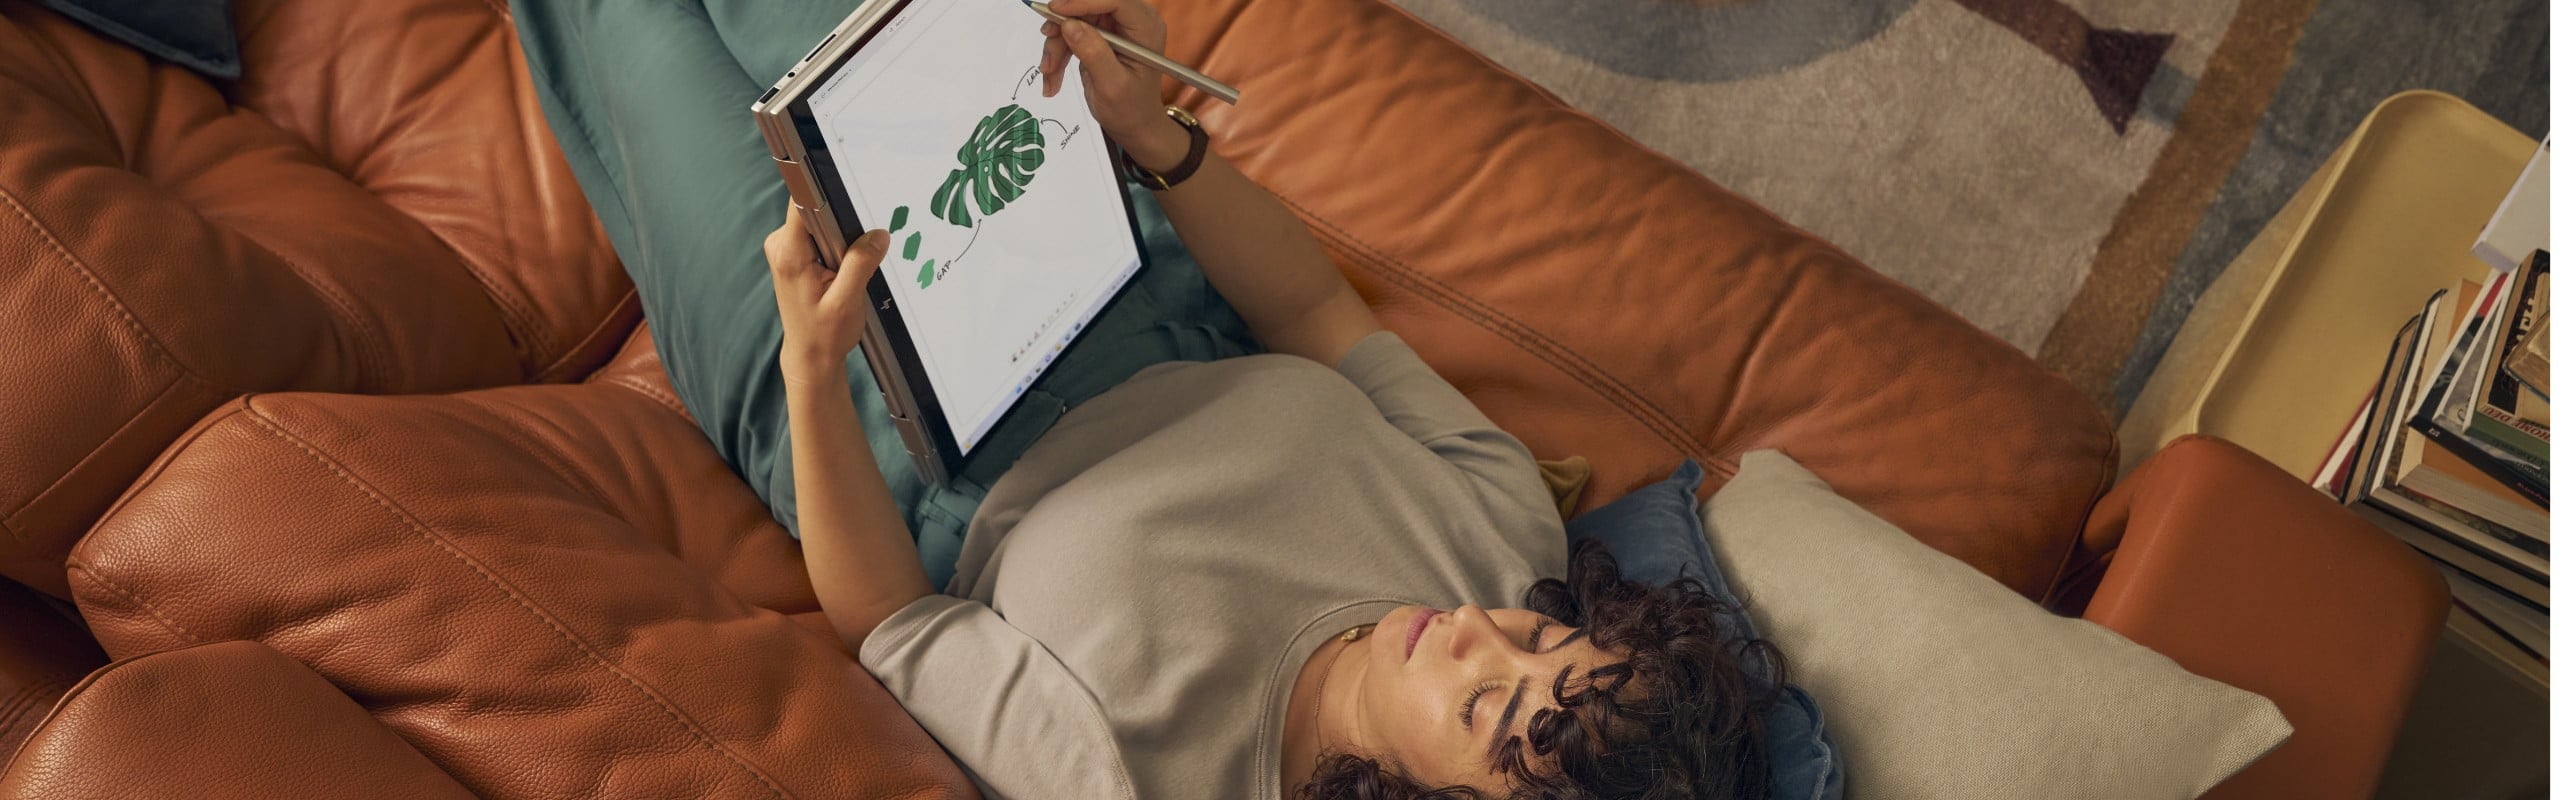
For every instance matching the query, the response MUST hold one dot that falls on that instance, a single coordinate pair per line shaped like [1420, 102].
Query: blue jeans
[649, 99]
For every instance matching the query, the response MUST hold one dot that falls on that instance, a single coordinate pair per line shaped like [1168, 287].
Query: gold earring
[1353, 634]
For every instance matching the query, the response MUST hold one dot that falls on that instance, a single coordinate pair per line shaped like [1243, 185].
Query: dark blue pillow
[1656, 536]
[195, 34]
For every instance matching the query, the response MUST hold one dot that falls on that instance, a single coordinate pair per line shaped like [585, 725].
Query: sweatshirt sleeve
[1416, 401]
[1013, 717]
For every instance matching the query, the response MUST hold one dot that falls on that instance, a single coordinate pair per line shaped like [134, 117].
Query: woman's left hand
[824, 311]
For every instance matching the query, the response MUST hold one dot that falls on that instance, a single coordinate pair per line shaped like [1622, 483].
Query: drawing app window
[1007, 231]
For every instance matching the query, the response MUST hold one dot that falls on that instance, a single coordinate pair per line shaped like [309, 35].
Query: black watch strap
[1160, 181]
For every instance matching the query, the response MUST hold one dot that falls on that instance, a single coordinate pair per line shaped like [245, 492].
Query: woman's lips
[1412, 632]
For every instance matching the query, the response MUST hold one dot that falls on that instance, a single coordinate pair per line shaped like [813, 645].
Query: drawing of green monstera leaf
[995, 166]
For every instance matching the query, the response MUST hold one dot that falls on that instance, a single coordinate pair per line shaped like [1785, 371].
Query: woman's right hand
[1125, 94]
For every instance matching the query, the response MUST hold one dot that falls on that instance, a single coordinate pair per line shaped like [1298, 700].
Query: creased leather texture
[42, 653]
[1596, 298]
[375, 208]
[2245, 575]
[206, 711]
[552, 591]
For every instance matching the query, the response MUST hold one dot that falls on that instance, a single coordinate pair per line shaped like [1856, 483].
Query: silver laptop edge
[772, 117]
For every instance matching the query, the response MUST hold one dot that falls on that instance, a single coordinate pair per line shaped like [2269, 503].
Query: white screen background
[1011, 290]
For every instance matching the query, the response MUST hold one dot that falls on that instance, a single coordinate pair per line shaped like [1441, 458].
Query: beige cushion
[1939, 682]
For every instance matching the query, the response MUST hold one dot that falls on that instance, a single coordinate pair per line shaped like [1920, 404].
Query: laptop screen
[1008, 229]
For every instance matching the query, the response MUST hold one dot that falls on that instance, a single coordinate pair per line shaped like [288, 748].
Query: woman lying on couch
[1290, 573]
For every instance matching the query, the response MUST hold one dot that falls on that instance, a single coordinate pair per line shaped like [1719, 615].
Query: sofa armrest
[2245, 575]
[231, 719]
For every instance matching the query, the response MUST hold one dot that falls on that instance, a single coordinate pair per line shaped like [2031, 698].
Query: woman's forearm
[861, 560]
[1257, 254]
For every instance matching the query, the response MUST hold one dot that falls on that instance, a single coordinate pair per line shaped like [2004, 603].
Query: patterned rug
[2069, 177]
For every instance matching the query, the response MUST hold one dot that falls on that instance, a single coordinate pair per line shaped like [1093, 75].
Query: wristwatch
[1167, 179]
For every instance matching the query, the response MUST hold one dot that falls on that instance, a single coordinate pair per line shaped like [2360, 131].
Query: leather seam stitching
[159, 465]
[122, 311]
[1582, 370]
[556, 627]
[372, 356]
[25, 698]
[7, 523]
[18, 701]
[28, 712]
[650, 392]
[519, 318]
[46, 719]
[186, 636]
[518, 321]
[551, 372]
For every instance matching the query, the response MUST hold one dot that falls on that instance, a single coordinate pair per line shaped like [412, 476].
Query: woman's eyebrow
[1501, 730]
[1569, 638]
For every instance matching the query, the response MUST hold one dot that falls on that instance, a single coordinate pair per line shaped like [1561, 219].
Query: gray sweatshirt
[1136, 596]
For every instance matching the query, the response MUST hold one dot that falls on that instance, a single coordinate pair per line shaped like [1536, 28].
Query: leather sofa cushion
[43, 651]
[1597, 298]
[552, 591]
[194, 717]
[374, 207]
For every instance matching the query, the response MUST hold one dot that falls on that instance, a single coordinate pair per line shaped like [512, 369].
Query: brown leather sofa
[330, 409]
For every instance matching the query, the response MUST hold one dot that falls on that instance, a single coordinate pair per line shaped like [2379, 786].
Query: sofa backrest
[1597, 298]
[375, 207]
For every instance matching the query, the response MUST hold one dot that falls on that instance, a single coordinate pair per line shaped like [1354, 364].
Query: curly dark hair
[1682, 717]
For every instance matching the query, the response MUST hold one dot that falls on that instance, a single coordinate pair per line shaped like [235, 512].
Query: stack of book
[2451, 453]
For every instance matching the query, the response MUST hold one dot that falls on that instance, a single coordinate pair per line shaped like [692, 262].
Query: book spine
[2503, 471]
[2340, 455]
[2498, 399]
[2527, 441]
[2480, 525]
[2522, 426]
[2461, 380]
[2488, 547]
[2493, 574]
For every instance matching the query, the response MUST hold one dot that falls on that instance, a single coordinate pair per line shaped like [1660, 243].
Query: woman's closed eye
[1474, 698]
[1465, 712]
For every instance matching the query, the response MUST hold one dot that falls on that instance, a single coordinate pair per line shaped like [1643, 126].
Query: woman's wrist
[1160, 144]
[811, 369]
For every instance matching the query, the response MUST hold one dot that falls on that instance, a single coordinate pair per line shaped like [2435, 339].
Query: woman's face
[1442, 687]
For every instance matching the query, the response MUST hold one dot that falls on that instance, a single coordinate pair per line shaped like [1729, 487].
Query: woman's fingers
[1100, 64]
[1052, 61]
[850, 288]
[1084, 8]
[863, 256]
[788, 250]
[1131, 18]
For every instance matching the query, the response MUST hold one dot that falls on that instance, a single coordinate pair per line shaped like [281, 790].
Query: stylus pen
[1214, 88]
